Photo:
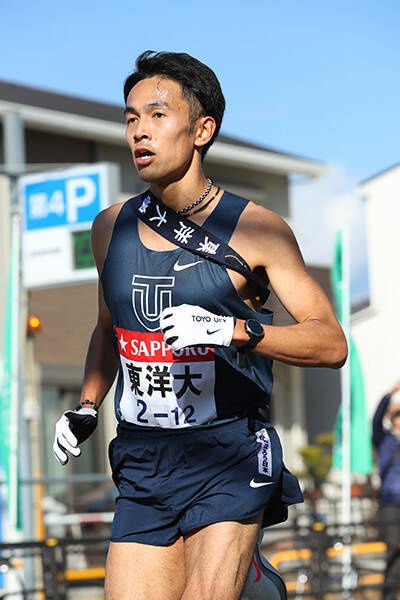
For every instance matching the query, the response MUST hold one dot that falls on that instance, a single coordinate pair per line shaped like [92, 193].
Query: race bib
[162, 388]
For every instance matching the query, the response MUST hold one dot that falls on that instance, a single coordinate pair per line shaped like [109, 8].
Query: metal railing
[310, 562]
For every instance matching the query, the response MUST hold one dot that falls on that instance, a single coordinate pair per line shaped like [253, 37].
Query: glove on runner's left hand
[188, 325]
[74, 427]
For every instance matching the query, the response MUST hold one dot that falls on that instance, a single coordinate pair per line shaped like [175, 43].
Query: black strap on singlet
[186, 234]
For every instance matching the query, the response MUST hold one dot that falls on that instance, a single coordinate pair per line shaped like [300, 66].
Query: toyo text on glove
[188, 325]
[74, 427]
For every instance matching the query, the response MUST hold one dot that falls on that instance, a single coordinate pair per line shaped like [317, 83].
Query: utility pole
[346, 420]
[20, 451]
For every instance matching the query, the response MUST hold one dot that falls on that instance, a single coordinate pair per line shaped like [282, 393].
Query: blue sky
[318, 79]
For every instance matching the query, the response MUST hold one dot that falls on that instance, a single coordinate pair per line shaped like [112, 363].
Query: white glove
[188, 325]
[74, 427]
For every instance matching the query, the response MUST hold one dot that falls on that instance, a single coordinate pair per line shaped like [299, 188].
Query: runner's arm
[76, 425]
[316, 339]
[101, 362]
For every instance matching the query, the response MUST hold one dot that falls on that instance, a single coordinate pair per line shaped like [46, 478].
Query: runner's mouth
[143, 156]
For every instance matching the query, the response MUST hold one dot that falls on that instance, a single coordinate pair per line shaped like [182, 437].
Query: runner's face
[158, 130]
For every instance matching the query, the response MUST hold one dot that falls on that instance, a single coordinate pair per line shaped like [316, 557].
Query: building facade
[375, 328]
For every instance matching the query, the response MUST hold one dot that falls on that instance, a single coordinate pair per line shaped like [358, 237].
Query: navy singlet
[157, 387]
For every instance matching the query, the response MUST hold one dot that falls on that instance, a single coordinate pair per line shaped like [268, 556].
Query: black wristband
[81, 404]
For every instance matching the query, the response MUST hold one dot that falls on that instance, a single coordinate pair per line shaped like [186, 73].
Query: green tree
[317, 460]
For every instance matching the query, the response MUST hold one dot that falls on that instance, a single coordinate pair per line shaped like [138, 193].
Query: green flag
[360, 427]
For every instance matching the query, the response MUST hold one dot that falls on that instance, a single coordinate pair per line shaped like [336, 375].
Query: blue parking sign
[67, 201]
[58, 210]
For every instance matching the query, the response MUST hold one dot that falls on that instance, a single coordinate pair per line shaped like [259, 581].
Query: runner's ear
[205, 128]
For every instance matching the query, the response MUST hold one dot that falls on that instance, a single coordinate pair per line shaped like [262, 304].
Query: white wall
[377, 329]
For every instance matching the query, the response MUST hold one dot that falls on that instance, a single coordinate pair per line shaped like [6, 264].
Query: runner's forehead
[148, 106]
[157, 91]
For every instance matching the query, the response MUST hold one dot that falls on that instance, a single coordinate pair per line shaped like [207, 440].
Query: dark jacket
[386, 444]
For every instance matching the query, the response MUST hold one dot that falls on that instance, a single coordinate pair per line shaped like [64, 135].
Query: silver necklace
[187, 208]
[204, 205]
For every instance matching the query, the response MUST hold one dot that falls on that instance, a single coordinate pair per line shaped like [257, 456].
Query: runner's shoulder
[102, 228]
[264, 224]
[265, 237]
[106, 218]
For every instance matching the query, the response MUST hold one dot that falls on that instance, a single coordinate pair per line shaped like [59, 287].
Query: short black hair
[200, 86]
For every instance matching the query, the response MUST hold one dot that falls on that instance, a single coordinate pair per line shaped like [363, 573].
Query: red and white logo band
[151, 347]
[163, 388]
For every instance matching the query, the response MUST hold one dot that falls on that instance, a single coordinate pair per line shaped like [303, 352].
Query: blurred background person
[386, 439]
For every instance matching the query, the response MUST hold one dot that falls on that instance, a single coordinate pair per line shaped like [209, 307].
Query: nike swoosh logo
[178, 267]
[211, 332]
[254, 484]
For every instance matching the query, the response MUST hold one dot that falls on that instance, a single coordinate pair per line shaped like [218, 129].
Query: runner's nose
[142, 131]
[140, 136]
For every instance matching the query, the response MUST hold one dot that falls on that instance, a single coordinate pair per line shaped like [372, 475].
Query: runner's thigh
[218, 557]
[140, 572]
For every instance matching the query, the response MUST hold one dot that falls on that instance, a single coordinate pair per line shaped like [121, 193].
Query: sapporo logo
[150, 295]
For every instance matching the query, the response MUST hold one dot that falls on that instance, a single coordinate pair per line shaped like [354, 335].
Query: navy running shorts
[173, 481]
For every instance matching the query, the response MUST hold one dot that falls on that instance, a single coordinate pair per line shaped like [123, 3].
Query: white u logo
[150, 295]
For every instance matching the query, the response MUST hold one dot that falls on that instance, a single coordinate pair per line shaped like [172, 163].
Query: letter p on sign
[80, 191]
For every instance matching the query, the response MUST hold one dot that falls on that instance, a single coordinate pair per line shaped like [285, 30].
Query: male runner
[196, 467]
